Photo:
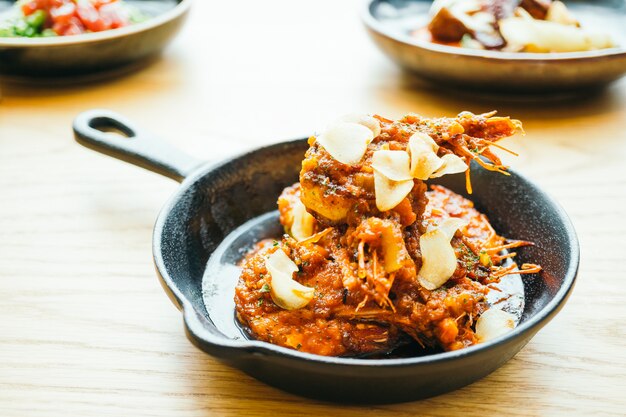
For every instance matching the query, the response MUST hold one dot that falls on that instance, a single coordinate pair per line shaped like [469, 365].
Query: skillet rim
[198, 334]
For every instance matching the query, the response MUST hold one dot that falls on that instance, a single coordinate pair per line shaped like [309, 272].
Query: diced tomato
[99, 3]
[32, 6]
[58, 28]
[90, 17]
[63, 14]
[75, 27]
[114, 14]
[71, 17]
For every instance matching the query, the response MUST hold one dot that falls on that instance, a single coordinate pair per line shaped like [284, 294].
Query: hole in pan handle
[109, 133]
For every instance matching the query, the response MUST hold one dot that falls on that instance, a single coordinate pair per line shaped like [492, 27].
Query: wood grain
[85, 329]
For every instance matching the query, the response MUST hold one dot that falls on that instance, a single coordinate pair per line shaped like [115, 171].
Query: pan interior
[223, 271]
[214, 203]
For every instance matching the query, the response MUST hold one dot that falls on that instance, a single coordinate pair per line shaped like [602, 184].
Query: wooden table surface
[85, 328]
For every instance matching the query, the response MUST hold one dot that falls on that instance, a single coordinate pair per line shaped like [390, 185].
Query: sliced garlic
[390, 193]
[558, 13]
[438, 257]
[423, 137]
[392, 164]
[424, 159]
[451, 164]
[493, 323]
[303, 222]
[363, 119]
[450, 225]
[285, 291]
[545, 36]
[346, 142]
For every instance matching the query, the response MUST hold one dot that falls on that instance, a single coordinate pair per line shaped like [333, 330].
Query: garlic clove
[346, 142]
[392, 164]
[450, 225]
[438, 257]
[278, 262]
[390, 193]
[284, 290]
[451, 164]
[423, 153]
[426, 139]
[493, 323]
[438, 260]
[303, 222]
[363, 119]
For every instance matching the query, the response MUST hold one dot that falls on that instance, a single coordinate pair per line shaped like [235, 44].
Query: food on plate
[372, 257]
[43, 18]
[510, 25]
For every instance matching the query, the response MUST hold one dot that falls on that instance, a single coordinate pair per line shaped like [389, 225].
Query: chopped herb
[299, 346]
[259, 302]
[275, 243]
[265, 288]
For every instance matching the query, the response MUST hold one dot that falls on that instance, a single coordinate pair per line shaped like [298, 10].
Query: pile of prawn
[359, 309]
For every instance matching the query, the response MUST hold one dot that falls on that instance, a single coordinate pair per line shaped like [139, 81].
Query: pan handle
[93, 129]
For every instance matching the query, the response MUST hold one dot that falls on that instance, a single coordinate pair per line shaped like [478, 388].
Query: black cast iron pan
[214, 199]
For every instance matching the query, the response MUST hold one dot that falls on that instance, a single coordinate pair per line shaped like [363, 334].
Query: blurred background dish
[392, 24]
[49, 18]
[98, 53]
